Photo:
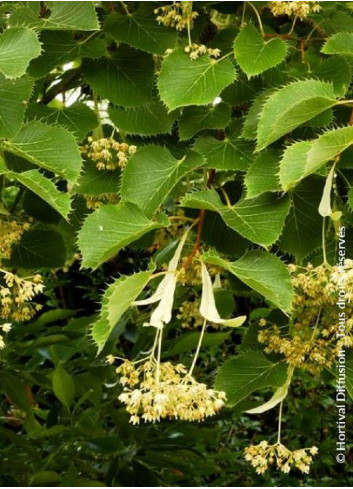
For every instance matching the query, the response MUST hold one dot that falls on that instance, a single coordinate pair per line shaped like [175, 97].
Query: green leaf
[292, 164]
[63, 386]
[340, 43]
[219, 236]
[337, 71]
[116, 300]
[303, 227]
[80, 16]
[148, 120]
[252, 119]
[290, 107]
[256, 55]
[141, 30]
[3, 210]
[241, 376]
[15, 390]
[66, 15]
[59, 48]
[203, 199]
[14, 95]
[259, 220]
[39, 249]
[262, 175]
[189, 341]
[125, 79]
[195, 119]
[304, 158]
[230, 153]
[333, 21]
[152, 173]
[77, 118]
[45, 189]
[242, 91]
[327, 146]
[263, 272]
[18, 45]
[198, 81]
[49, 147]
[110, 228]
[95, 182]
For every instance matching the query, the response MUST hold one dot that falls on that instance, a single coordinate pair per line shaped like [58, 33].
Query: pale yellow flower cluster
[155, 391]
[10, 231]
[95, 201]
[107, 153]
[191, 275]
[178, 15]
[196, 50]
[16, 296]
[345, 277]
[293, 8]
[5, 328]
[263, 455]
[189, 314]
[313, 338]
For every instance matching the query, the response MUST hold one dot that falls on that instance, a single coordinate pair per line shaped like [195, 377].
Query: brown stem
[294, 38]
[302, 50]
[199, 225]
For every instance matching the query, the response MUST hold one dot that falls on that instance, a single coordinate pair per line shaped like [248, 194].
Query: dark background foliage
[61, 423]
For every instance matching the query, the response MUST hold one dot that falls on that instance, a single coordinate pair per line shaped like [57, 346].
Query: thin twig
[200, 225]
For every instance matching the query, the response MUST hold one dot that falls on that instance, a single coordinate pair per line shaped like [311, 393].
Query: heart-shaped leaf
[256, 55]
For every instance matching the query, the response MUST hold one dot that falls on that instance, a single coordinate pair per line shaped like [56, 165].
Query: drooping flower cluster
[189, 314]
[263, 455]
[107, 153]
[171, 393]
[293, 8]
[313, 339]
[178, 15]
[16, 296]
[154, 390]
[11, 231]
[196, 50]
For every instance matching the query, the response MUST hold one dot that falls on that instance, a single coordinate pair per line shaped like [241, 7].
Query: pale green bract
[278, 396]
